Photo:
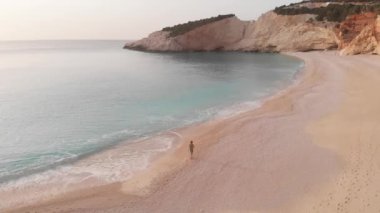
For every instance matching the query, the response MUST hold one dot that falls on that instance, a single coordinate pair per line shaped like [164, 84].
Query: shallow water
[63, 100]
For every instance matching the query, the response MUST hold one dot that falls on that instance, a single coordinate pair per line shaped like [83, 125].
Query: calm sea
[61, 101]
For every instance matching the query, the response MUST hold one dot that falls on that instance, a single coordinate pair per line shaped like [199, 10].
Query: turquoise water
[64, 100]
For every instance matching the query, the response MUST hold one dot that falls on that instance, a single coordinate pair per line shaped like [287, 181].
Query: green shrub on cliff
[184, 28]
[332, 12]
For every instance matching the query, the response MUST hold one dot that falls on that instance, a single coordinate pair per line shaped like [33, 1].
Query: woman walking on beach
[191, 148]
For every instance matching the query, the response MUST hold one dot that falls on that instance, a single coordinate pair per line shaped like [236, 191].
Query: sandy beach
[311, 148]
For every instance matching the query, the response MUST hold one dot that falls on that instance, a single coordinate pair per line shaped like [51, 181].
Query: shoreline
[163, 168]
[292, 154]
[93, 184]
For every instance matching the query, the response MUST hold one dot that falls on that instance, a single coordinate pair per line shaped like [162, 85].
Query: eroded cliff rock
[304, 26]
[157, 41]
[219, 35]
[270, 33]
[360, 34]
[377, 51]
[363, 43]
[352, 26]
[274, 32]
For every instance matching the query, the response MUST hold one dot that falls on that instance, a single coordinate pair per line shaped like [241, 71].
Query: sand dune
[312, 148]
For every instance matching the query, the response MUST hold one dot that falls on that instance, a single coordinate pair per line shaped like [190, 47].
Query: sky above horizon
[113, 19]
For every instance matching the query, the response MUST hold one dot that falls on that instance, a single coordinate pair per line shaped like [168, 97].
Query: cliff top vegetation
[186, 27]
[335, 12]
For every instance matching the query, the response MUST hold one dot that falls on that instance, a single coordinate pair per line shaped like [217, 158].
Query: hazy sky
[113, 19]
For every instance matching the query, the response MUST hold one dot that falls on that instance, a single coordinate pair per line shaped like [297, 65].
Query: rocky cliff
[274, 33]
[305, 26]
[270, 33]
[360, 34]
[219, 35]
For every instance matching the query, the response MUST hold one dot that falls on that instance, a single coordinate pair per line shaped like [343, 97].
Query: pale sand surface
[312, 148]
[353, 132]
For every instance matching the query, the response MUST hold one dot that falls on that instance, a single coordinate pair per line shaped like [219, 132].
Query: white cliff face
[214, 36]
[274, 32]
[157, 41]
[219, 35]
[270, 33]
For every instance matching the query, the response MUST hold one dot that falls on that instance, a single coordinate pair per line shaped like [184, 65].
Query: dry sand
[312, 148]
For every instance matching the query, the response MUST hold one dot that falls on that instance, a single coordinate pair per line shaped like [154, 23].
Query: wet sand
[311, 148]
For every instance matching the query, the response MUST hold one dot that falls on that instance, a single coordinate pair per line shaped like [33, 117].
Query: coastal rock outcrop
[270, 33]
[274, 33]
[377, 51]
[219, 35]
[349, 26]
[157, 41]
[360, 34]
[363, 43]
